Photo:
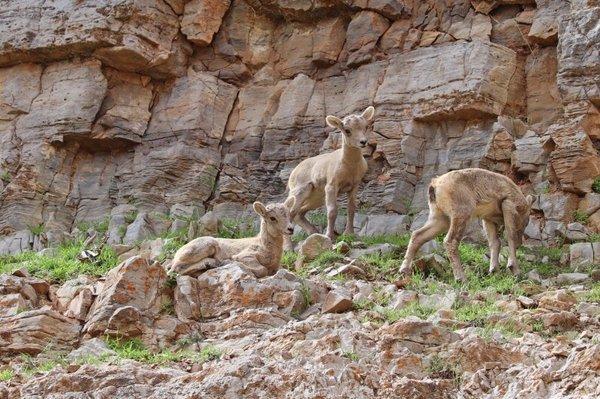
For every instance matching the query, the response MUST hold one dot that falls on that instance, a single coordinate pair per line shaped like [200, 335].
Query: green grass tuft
[594, 294]
[596, 185]
[61, 266]
[236, 228]
[475, 313]
[580, 216]
[288, 260]
[412, 309]
[135, 349]
[6, 375]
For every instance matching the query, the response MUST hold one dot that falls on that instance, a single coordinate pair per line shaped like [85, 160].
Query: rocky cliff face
[150, 105]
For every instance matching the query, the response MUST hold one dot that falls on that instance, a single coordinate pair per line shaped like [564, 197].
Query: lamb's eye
[273, 218]
[348, 132]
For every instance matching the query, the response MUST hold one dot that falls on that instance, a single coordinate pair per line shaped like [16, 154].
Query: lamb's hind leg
[195, 256]
[513, 236]
[436, 223]
[453, 238]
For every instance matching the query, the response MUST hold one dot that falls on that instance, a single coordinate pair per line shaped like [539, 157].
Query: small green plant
[6, 375]
[167, 307]
[122, 230]
[412, 309]
[288, 260]
[101, 227]
[594, 294]
[594, 237]
[442, 368]
[306, 294]
[580, 216]
[596, 185]
[5, 176]
[351, 355]
[173, 241]
[236, 228]
[317, 218]
[131, 216]
[475, 313]
[37, 229]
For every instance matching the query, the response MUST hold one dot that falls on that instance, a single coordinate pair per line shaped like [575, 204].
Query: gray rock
[385, 224]
[377, 249]
[92, 348]
[581, 254]
[571, 278]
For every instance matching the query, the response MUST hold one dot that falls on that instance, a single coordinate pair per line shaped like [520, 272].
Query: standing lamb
[456, 197]
[321, 179]
[260, 254]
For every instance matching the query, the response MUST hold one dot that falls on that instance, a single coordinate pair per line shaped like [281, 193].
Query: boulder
[32, 332]
[133, 284]
[337, 301]
[314, 245]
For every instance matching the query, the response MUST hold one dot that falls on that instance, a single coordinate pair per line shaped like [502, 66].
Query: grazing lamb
[457, 196]
[321, 179]
[261, 254]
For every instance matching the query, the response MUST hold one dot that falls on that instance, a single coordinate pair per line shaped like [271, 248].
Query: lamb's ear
[289, 203]
[368, 113]
[260, 209]
[334, 121]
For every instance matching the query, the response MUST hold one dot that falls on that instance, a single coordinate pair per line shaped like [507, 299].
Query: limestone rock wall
[108, 106]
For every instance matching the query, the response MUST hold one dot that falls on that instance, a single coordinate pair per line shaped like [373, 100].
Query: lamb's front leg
[351, 210]
[251, 263]
[331, 204]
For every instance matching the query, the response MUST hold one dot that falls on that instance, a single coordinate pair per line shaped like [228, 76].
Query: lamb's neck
[269, 242]
[351, 154]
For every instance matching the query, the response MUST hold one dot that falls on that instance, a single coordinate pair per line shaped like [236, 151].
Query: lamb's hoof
[515, 270]
[492, 269]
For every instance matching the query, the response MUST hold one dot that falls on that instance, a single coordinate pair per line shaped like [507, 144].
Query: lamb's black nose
[290, 230]
[363, 142]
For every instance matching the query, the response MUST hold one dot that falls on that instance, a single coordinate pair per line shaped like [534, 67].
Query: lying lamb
[260, 254]
[456, 197]
[321, 179]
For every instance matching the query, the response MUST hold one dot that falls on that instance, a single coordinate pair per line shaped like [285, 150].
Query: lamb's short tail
[431, 193]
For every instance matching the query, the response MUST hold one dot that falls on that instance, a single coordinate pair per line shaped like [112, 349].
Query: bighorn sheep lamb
[260, 254]
[457, 196]
[321, 179]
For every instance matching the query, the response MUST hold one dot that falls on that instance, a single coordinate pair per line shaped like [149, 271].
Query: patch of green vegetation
[412, 309]
[236, 228]
[37, 229]
[594, 237]
[173, 241]
[134, 349]
[507, 328]
[351, 355]
[101, 227]
[594, 294]
[6, 375]
[439, 367]
[317, 218]
[322, 261]
[167, 307]
[419, 283]
[596, 185]
[62, 265]
[131, 216]
[302, 235]
[580, 216]
[122, 230]
[475, 313]
[306, 294]
[288, 260]
[379, 298]
[5, 176]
